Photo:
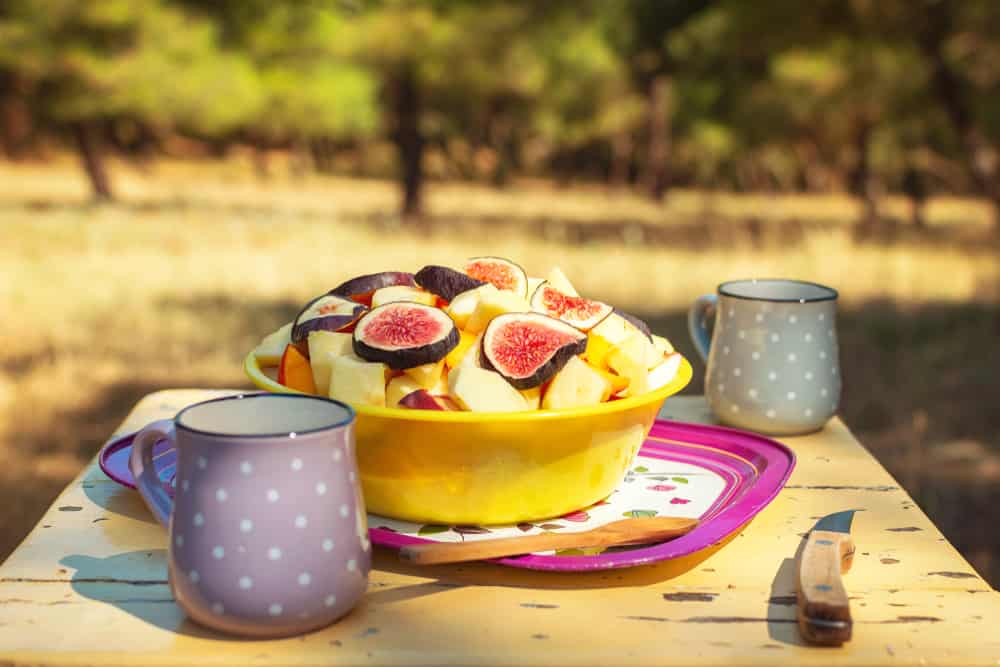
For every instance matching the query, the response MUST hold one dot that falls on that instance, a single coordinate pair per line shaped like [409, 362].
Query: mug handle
[702, 309]
[152, 489]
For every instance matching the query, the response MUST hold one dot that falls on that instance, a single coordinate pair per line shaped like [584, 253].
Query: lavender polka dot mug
[267, 526]
[772, 359]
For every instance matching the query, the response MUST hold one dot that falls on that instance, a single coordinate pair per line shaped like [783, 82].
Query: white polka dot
[218, 553]
[246, 583]
[772, 376]
[352, 565]
[822, 316]
[808, 337]
[770, 413]
[185, 485]
[194, 576]
[792, 319]
[199, 519]
[296, 464]
[221, 495]
[734, 407]
[246, 467]
[330, 600]
[202, 462]
[792, 357]
[752, 393]
[217, 608]
[179, 540]
[272, 496]
[809, 412]
[775, 338]
[809, 375]
[320, 488]
[274, 553]
[737, 372]
[328, 544]
[829, 332]
[741, 333]
[822, 354]
[275, 610]
[304, 579]
[300, 521]
[344, 511]
[755, 355]
[351, 476]
[833, 371]
[791, 395]
[246, 525]
[823, 391]
[337, 454]
[759, 317]
[725, 349]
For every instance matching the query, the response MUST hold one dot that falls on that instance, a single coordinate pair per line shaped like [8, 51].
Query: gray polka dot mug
[267, 525]
[772, 358]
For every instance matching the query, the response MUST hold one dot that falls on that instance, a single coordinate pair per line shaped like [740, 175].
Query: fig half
[324, 313]
[502, 273]
[404, 334]
[446, 283]
[367, 284]
[584, 314]
[528, 349]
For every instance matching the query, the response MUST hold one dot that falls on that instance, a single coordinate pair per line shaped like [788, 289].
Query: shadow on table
[117, 499]
[149, 600]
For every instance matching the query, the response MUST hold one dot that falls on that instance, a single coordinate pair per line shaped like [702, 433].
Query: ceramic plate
[720, 475]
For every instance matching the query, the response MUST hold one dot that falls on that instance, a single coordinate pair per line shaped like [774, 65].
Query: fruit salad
[486, 338]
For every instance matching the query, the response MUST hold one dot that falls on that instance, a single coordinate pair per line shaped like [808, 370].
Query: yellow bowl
[494, 468]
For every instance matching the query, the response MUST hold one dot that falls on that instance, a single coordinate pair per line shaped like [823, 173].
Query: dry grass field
[171, 285]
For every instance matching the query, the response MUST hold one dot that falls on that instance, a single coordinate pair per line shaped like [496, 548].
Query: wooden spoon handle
[457, 552]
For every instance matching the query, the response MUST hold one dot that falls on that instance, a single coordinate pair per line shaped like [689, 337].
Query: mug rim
[831, 295]
[351, 416]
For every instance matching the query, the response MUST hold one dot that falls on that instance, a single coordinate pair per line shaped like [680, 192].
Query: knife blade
[823, 610]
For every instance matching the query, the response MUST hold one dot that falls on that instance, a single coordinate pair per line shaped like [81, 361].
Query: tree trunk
[409, 142]
[621, 159]
[658, 161]
[15, 116]
[88, 143]
[500, 131]
[862, 182]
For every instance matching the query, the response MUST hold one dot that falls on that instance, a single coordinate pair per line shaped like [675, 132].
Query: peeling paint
[904, 529]
[690, 597]
[539, 605]
[952, 575]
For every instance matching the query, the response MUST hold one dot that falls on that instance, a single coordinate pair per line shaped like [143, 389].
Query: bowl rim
[252, 368]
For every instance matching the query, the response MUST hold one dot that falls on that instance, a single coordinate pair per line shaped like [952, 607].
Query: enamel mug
[772, 356]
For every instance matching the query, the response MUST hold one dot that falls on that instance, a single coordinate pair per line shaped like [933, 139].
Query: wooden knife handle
[824, 613]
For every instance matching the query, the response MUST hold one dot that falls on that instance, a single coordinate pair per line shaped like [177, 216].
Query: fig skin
[445, 282]
[636, 322]
[331, 322]
[372, 282]
[408, 357]
[545, 371]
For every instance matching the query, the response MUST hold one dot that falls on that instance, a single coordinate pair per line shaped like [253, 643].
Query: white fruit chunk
[398, 387]
[559, 280]
[426, 375]
[630, 359]
[402, 293]
[576, 385]
[355, 380]
[463, 305]
[324, 346]
[663, 374]
[269, 350]
[662, 345]
[492, 304]
[533, 397]
[533, 284]
[481, 390]
[614, 328]
[471, 357]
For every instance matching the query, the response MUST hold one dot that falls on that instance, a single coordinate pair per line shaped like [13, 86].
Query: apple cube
[664, 373]
[616, 382]
[458, 352]
[463, 305]
[422, 399]
[399, 387]
[533, 284]
[598, 349]
[576, 385]
[532, 396]
[662, 345]
[630, 359]
[355, 380]
[471, 357]
[323, 347]
[270, 349]
[559, 280]
[492, 304]
[614, 329]
[426, 375]
[402, 293]
[481, 390]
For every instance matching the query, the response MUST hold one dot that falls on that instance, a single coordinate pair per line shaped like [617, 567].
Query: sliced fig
[636, 322]
[421, 399]
[446, 283]
[404, 334]
[528, 349]
[584, 314]
[365, 285]
[502, 273]
[324, 313]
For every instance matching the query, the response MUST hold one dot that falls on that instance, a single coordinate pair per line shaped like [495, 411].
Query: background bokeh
[177, 177]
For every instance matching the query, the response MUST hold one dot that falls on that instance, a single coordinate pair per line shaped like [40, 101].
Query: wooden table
[88, 586]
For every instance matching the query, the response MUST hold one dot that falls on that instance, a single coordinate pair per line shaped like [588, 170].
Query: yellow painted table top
[88, 586]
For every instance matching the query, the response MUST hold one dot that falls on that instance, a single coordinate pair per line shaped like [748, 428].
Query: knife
[824, 614]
